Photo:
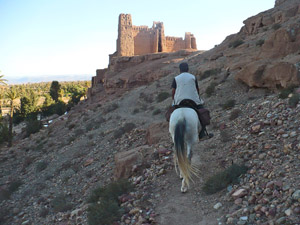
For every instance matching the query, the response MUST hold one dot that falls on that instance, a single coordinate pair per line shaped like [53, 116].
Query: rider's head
[183, 67]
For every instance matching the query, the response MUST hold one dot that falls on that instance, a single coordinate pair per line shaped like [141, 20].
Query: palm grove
[30, 102]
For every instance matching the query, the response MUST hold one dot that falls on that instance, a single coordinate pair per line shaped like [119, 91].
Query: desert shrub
[110, 108]
[108, 210]
[14, 185]
[156, 112]
[236, 43]
[276, 26]
[4, 214]
[93, 125]
[71, 126]
[162, 96]
[4, 135]
[71, 139]
[111, 191]
[260, 42]
[293, 101]
[234, 114]
[146, 97]
[222, 179]
[210, 89]
[225, 136]
[60, 204]
[125, 129]
[284, 93]
[27, 161]
[40, 166]
[135, 111]
[39, 147]
[105, 212]
[229, 104]
[33, 126]
[209, 73]
[78, 132]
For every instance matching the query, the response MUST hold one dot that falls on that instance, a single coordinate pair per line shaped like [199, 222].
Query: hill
[120, 131]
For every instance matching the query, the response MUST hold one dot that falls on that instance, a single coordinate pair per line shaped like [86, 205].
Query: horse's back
[184, 114]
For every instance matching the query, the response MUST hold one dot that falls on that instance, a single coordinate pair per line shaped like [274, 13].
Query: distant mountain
[47, 78]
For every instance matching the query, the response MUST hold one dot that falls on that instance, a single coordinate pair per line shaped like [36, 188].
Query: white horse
[184, 128]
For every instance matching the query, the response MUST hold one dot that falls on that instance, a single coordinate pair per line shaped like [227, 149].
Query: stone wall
[140, 40]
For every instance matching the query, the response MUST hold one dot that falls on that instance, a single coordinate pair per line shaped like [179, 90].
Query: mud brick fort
[135, 44]
[139, 40]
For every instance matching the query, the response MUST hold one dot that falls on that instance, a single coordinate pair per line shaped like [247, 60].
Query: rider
[185, 86]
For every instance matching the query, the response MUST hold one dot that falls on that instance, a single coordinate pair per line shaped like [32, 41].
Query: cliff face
[266, 51]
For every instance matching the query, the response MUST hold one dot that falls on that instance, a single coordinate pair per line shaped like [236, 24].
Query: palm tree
[2, 80]
[12, 95]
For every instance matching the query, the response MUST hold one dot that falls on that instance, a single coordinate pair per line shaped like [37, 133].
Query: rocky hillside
[120, 132]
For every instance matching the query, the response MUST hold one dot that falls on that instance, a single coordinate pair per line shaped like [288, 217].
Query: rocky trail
[120, 132]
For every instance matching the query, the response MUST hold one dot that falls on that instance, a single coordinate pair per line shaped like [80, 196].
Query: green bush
[234, 114]
[235, 43]
[125, 129]
[222, 179]
[60, 204]
[40, 166]
[106, 212]
[33, 126]
[110, 108]
[210, 89]
[156, 112]
[146, 97]
[228, 104]
[104, 208]
[14, 186]
[293, 101]
[4, 135]
[276, 26]
[209, 73]
[260, 42]
[284, 93]
[162, 96]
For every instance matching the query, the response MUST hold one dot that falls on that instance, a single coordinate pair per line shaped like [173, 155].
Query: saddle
[203, 114]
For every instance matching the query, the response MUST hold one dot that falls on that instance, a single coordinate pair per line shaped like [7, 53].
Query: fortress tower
[138, 40]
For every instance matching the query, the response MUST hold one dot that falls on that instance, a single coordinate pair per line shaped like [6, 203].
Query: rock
[296, 195]
[157, 132]
[288, 212]
[125, 161]
[280, 221]
[239, 193]
[218, 205]
[134, 211]
[296, 210]
[238, 201]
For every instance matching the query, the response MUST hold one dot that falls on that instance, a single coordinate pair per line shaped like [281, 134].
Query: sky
[56, 37]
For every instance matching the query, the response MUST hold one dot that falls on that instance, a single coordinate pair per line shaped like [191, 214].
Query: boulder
[157, 132]
[126, 161]
[260, 74]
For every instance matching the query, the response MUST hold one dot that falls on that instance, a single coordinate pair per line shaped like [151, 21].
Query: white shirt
[186, 89]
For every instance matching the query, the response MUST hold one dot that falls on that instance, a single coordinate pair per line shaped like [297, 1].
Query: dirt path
[193, 207]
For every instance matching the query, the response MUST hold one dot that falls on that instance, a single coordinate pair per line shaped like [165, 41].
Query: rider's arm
[174, 85]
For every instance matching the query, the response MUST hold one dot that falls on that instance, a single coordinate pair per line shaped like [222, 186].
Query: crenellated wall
[139, 40]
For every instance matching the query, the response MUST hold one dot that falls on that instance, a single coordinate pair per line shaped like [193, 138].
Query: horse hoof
[184, 189]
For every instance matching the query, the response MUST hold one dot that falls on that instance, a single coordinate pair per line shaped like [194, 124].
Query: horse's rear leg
[183, 186]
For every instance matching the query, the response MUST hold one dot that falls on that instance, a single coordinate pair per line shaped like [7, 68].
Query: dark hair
[183, 67]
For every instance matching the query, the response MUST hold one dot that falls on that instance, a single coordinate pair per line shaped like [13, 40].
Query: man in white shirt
[185, 87]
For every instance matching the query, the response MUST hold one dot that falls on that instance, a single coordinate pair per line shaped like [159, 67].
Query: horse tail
[180, 152]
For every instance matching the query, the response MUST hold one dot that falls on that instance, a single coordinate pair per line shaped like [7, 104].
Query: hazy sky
[54, 37]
